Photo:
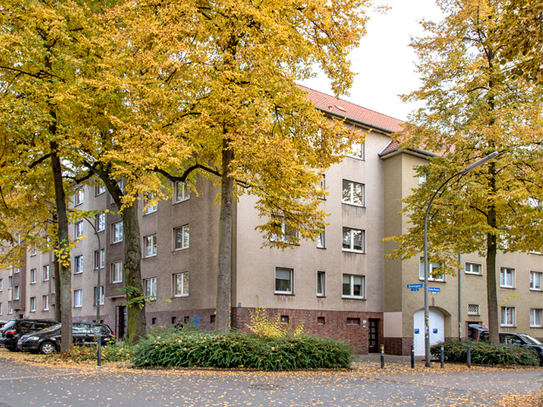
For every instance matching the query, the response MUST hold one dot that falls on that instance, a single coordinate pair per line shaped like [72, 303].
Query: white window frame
[16, 292]
[1, 308]
[33, 276]
[181, 193]
[349, 194]
[99, 190]
[78, 264]
[32, 304]
[536, 317]
[469, 268]
[507, 316]
[79, 229]
[322, 186]
[100, 222]
[504, 272]
[45, 302]
[357, 150]
[10, 308]
[99, 259]
[184, 242]
[117, 272]
[102, 295]
[288, 234]
[535, 280]
[351, 282]
[286, 274]
[148, 209]
[181, 284]
[321, 239]
[475, 309]
[117, 232]
[10, 282]
[349, 246]
[45, 273]
[431, 267]
[150, 246]
[78, 298]
[150, 288]
[1, 284]
[79, 196]
[321, 283]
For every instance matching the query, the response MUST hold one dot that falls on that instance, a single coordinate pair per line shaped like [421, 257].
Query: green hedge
[238, 350]
[486, 353]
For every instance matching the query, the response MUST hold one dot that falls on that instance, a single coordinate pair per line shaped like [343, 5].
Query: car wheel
[47, 347]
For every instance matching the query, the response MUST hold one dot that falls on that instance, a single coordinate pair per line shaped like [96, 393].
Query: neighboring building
[342, 285]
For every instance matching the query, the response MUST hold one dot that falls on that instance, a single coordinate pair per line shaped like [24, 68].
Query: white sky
[384, 61]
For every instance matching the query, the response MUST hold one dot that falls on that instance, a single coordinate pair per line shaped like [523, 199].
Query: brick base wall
[398, 346]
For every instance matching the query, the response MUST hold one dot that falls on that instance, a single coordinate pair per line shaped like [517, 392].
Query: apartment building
[341, 286]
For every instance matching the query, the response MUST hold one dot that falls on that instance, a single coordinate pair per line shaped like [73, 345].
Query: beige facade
[341, 286]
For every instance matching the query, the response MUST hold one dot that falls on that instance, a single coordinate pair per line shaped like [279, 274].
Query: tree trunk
[492, 292]
[136, 326]
[224, 275]
[64, 249]
[56, 274]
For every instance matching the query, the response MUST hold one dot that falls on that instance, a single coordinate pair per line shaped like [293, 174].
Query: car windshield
[8, 325]
[51, 328]
[530, 340]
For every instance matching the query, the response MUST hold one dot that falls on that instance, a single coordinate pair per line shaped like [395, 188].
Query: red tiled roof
[394, 145]
[350, 110]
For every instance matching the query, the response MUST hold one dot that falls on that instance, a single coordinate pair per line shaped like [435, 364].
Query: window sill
[180, 296]
[182, 200]
[474, 274]
[536, 326]
[343, 297]
[180, 249]
[283, 293]
[507, 288]
[353, 204]
[321, 248]
[353, 251]
[537, 290]
[150, 256]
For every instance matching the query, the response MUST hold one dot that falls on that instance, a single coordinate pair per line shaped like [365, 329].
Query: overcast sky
[384, 61]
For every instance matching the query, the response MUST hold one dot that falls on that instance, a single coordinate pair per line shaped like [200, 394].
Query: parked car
[14, 329]
[511, 338]
[48, 339]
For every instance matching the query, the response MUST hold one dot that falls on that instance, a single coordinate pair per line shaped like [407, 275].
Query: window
[353, 321]
[353, 240]
[117, 232]
[535, 280]
[433, 269]
[79, 196]
[1, 284]
[10, 308]
[53, 284]
[320, 240]
[323, 187]
[100, 223]
[473, 268]
[182, 192]
[321, 321]
[357, 151]
[422, 179]
[45, 273]
[45, 302]
[33, 249]
[181, 236]
[149, 207]
[149, 288]
[149, 243]
[535, 317]
[102, 295]
[507, 277]
[353, 286]
[507, 316]
[473, 309]
[78, 298]
[78, 264]
[17, 270]
[16, 292]
[117, 272]
[1, 309]
[10, 282]
[79, 229]
[181, 284]
[353, 193]
[33, 276]
[32, 304]
[321, 281]
[99, 259]
[287, 233]
[283, 280]
[99, 190]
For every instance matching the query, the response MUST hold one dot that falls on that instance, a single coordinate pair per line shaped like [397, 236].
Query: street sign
[414, 289]
[414, 285]
[434, 289]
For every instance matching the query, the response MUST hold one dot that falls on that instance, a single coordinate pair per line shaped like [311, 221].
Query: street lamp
[426, 306]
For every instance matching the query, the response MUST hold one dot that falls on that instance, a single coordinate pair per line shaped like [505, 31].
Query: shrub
[266, 326]
[188, 349]
[110, 353]
[487, 353]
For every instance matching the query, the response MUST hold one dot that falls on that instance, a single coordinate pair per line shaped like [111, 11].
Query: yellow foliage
[264, 325]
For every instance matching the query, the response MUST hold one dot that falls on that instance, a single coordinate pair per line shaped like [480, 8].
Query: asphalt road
[23, 384]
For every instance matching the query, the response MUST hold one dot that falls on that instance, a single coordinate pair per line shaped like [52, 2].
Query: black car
[48, 339]
[511, 338]
[14, 329]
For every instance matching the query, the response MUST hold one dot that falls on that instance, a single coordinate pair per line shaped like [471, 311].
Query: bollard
[99, 352]
[412, 357]
[442, 357]
[382, 356]
[469, 357]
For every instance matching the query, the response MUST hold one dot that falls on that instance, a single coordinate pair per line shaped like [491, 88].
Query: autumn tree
[214, 85]
[472, 108]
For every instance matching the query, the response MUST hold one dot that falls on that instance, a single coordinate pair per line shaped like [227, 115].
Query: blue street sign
[414, 289]
[434, 289]
[414, 285]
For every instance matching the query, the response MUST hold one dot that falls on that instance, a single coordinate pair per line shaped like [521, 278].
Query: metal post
[442, 357]
[98, 271]
[412, 357]
[382, 356]
[459, 296]
[469, 357]
[99, 352]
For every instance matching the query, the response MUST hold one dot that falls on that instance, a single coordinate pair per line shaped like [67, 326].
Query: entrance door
[437, 329]
[120, 326]
[373, 336]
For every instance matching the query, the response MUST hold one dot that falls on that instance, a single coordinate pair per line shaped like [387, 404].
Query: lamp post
[98, 296]
[426, 305]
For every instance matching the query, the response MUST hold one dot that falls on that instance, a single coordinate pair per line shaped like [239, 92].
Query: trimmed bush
[238, 350]
[486, 353]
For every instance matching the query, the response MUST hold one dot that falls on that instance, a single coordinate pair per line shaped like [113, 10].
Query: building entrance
[437, 329]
